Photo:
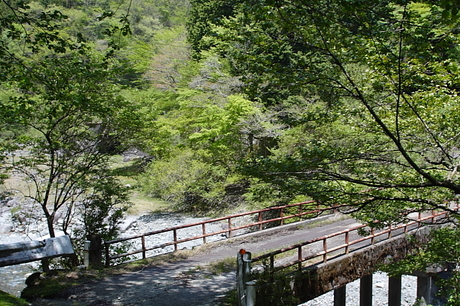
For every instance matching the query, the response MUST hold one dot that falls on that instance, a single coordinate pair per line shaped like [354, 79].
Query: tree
[380, 80]
[198, 145]
[203, 16]
[72, 118]
[387, 72]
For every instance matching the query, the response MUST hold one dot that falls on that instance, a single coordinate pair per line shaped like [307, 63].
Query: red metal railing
[323, 244]
[264, 217]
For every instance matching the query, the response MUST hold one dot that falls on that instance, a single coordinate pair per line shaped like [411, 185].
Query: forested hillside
[82, 83]
[252, 103]
[366, 95]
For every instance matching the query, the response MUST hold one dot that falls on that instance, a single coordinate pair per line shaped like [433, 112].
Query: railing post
[143, 247]
[299, 257]
[251, 293]
[394, 291]
[389, 232]
[260, 220]
[175, 239]
[372, 236]
[229, 227]
[340, 296]
[365, 290]
[203, 227]
[107, 255]
[86, 253]
[325, 250]
[347, 242]
[281, 216]
[95, 251]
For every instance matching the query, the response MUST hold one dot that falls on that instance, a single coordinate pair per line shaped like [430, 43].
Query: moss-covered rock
[52, 284]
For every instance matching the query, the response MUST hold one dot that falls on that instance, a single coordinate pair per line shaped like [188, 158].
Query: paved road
[186, 282]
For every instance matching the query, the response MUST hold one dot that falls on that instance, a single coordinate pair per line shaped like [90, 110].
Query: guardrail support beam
[394, 291]
[365, 290]
[340, 296]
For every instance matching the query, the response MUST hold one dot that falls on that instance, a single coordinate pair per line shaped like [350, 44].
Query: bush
[192, 184]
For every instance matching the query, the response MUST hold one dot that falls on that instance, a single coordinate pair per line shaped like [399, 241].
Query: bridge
[175, 238]
[306, 270]
[317, 257]
[276, 236]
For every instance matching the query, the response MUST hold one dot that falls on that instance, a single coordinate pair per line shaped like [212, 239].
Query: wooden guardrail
[265, 218]
[328, 249]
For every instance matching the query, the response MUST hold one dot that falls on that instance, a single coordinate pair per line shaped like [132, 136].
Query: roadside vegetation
[9, 300]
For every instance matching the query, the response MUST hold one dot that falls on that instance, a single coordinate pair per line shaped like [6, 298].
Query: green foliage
[68, 118]
[189, 182]
[367, 96]
[204, 15]
[441, 253]
[75, 120]
[198, 137]
[381, 129]
[213, 130]
[9, 300]
[274, 288]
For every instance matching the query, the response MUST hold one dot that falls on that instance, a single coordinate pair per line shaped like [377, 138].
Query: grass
[230, 299]
[223, 266]
[10, 300]
[127, 173]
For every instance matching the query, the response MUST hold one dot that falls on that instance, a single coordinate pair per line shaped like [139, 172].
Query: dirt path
[187, 282]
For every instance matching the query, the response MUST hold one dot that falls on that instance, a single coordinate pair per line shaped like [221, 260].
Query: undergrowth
[10, 300]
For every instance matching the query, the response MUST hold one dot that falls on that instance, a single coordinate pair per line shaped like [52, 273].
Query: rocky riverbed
[380, 292]
[13, 277]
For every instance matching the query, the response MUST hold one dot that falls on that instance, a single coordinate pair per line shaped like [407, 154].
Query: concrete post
[365, 290]
[340, 296]
[251, 293]
[45, 265]
[95, 251]
[394, 291]
[86, 253]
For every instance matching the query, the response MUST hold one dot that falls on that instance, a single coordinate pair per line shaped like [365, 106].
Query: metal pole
[260, 220]
[229, 227]
[325, 250]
